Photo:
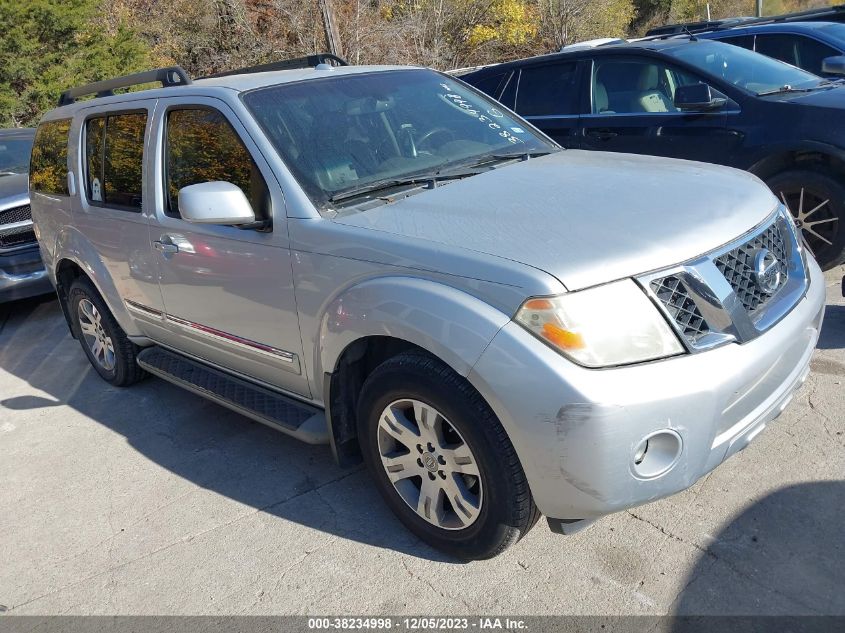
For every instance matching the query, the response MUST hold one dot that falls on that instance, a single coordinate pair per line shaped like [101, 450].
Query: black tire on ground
[126, 370]
[820, 189]
[507, 510]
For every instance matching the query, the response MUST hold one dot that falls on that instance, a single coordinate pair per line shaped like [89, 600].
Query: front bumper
[576, 430]
[22, 274]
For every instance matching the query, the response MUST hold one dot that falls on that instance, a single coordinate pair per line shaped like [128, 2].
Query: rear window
[48, 163]
[114, 158]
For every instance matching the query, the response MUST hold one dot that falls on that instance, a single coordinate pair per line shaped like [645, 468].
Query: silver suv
[384, 260]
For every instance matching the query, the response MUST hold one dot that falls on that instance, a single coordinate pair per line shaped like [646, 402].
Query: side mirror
[215, 202]
[697, 98]
[834, 65]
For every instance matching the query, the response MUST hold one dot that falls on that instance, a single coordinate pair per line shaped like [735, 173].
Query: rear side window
[745, 41]
[492, 84]
[48, 163]
[203, 147]
[547, 90]
[114, 159]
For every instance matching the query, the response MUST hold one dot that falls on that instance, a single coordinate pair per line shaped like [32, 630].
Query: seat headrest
[648, 78]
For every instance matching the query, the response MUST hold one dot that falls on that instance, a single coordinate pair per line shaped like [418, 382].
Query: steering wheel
[425, 138]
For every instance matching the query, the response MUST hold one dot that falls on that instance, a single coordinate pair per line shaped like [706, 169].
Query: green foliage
[50, 45]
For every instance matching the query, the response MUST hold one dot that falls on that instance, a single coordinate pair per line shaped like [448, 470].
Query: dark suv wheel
[817, 201]
[105, 344]
[441, 459]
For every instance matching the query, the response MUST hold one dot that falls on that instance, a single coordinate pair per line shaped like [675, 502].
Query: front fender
[450, 324]
[73, 246]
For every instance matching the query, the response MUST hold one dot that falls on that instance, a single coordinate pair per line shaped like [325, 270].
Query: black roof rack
[309, 61]
[834, 13]
[170, 76]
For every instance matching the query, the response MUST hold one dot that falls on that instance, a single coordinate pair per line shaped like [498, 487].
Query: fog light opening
[656, 454]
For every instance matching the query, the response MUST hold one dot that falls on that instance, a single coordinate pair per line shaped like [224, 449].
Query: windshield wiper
[784, 90]
[430, 180]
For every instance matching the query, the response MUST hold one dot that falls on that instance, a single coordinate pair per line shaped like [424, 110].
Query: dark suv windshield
[14, 155]
[743, 68]
[341, 133]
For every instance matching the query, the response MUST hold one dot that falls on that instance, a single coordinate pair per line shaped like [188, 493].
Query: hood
[828, 98]
[14, 189]
[584, 217]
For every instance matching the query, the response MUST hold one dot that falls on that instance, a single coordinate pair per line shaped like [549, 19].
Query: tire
[821, 216]
[493, 509]
[115, 357]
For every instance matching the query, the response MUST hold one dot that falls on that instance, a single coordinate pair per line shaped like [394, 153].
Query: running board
[285, 414]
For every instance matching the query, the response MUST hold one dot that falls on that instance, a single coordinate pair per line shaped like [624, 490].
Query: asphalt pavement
[152, 500]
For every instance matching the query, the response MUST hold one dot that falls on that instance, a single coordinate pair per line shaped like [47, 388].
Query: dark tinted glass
[48, 164]
[123, 159]
[746, 41]
[547, 90]
[492, 85]
[203, 147]
[797, 50]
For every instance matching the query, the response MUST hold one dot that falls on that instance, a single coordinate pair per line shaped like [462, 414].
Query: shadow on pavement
[833, 330]
[195, 439]
[776, 558]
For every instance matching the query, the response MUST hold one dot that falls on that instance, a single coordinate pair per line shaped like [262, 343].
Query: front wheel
[441, 459]
[104, 342]
[817, 202]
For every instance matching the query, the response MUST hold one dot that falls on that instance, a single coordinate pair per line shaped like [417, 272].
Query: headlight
[615, 324]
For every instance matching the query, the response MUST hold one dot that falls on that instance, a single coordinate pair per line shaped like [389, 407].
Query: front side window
[797, 50]
[744, 69]
[114, 159]
[547, 90]
[203, 147]
[48, 163]
[623, 86]
[344, 133]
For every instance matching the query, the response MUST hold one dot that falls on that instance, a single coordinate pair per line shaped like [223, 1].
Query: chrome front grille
[675, 297]
[10, 238]
[722, 296]
[738, 267]
[17, 214]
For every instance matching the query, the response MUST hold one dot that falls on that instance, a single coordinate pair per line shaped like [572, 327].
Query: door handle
[602, 134]
[165, 247]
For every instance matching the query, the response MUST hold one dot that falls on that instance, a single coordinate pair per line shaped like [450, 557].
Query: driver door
[228, 292]
[633, 111]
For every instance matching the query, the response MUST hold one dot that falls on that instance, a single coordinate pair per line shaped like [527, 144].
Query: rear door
[228, 292]
[632, 110]
[113, 204]
[548, 96]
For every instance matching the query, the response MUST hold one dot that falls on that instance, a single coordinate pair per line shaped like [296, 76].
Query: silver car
[384, 260]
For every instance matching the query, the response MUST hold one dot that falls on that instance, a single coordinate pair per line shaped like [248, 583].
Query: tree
[51, 45]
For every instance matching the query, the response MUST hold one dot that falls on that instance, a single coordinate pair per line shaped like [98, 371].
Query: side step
[297, 419]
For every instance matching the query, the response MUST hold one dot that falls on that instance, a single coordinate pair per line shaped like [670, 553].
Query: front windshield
[14, 155]
[341, 133]
[743, 68]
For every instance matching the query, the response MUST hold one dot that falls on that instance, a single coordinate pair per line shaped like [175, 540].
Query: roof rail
[170, 76]
[835, 13]
[309, 61]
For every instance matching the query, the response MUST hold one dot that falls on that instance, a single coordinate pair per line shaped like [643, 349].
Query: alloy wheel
[430, 464]
[98, 341]
[814, 216]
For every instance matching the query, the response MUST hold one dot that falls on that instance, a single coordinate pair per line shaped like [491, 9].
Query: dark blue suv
[700, 100]
[807, 45]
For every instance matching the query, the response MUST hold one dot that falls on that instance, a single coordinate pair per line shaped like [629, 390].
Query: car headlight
[614, 324]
